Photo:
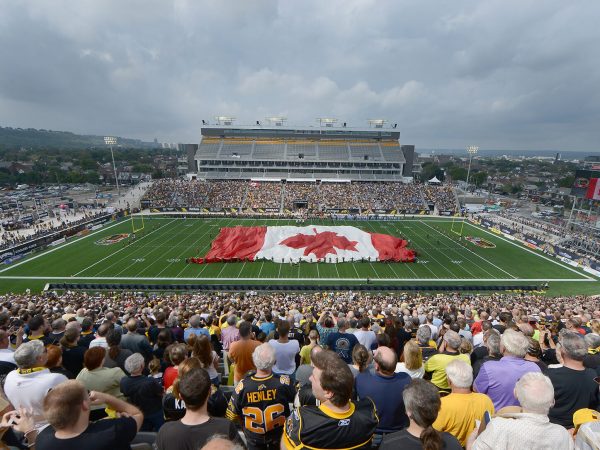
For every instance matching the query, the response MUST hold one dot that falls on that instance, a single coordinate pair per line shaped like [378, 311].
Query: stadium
[280, 176]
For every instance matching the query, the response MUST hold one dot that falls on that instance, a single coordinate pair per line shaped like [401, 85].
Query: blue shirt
[342, 344]
[267, 327]
[386, 393]
[197, 331]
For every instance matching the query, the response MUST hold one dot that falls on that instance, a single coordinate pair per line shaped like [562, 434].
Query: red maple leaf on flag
[320, 244]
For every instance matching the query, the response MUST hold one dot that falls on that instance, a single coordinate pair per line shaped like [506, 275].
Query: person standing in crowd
[574, 384]
[209, 359]
[337, 422]
[67, 409]
[528, 429]
[177, 354]
[229, 334]
[72, 352]
[365, 335]
[27, 386]
[423, 336]
[195, 328]
[497, 379]
[436, 364]
[144, 392]
[136, 342]
[313, 337]
[385, 388]
[341, 342]
[196, 427]
[422, 402]
[285, 351]
[96, 377]
[413, 361]
[240, 351]
[461, 409]
[261, 402]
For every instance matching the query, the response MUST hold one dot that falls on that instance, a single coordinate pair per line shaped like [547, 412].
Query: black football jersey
[311, 427]
[262, 405]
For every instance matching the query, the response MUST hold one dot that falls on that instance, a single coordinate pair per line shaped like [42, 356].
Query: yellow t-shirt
[437, 365]
[459, 412]
[305, 354]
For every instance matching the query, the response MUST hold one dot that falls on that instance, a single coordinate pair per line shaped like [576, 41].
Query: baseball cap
[585, 415]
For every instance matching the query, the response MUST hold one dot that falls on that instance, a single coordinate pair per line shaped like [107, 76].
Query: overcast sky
[501, 74]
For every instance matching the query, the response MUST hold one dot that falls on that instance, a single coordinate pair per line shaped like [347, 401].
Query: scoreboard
[587, 184]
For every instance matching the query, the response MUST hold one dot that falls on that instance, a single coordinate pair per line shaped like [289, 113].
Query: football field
[159, 251]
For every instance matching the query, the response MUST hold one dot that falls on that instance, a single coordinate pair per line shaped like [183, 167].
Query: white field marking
[67, 278]
[409, 268]
[141, 246]
[426, 266]
[12, 266]
[471, 251]
[182, 231]
[114, 253]
[522, 247]
[453, 249]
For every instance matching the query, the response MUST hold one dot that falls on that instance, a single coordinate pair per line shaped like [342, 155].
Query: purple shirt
[228, 335]
[497, 379]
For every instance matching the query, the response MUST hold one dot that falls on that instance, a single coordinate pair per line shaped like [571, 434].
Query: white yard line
[522, 247]
[471, 251]
[430, 257]
[114, 253]
[12, 266]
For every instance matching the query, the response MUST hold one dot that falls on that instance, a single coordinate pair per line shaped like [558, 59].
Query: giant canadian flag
[310, 243]
[593, 192]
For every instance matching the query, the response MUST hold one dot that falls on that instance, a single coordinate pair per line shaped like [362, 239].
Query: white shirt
[366, 338]
[7, 355]
[29, 390]
[418, 373]
[478, 340]
[99, 342]
[285, 355]
[523, 431]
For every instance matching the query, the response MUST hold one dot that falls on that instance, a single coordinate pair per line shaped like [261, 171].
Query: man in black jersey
[338, 422]
[261, 402]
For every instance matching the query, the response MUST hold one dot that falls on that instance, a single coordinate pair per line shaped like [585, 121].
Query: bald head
[219, 442]
[132, 325]
[386, 360]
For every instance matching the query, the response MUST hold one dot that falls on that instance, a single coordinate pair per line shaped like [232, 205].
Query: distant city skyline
[500, 74]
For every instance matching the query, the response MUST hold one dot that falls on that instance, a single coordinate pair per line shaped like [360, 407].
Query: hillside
[32, 138]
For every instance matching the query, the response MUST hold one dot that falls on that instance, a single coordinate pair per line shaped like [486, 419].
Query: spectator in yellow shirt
[462, 407]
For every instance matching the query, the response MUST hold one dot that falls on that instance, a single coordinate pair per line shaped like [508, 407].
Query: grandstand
[309, 154]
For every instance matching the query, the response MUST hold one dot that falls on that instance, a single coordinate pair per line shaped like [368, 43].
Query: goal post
[137, 223]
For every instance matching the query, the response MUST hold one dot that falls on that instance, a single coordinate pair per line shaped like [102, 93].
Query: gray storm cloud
[500, 73]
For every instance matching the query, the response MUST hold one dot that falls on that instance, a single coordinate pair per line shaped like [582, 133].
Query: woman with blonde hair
[413, 360]
[313, 336]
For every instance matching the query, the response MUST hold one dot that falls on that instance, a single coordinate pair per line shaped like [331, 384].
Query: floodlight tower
[110, 140]
[328, 122]
[472, 151]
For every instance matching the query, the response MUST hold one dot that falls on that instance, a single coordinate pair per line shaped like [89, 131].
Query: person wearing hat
[587, 429]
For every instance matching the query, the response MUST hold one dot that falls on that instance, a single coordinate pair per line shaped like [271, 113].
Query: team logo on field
[112, 239]
[480, 242]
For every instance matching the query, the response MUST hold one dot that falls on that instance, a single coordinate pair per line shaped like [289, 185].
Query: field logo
[112, 239]
[480, 242]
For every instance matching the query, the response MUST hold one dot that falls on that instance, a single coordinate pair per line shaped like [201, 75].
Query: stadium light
[277, 121]
[377, 123]
[224, 120]
[472, 151]
[327, 121]
[110, 141]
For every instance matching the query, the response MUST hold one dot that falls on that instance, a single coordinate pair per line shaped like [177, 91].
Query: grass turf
[158, 256]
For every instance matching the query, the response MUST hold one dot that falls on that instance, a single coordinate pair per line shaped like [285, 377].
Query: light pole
[472, 151]
[109, 140]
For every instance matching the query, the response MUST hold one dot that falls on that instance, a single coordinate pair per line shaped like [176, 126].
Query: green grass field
[159, 252]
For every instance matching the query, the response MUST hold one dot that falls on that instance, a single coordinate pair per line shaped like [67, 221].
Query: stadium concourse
[350, 367]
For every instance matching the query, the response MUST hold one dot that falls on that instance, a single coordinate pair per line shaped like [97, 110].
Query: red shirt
[169, 376]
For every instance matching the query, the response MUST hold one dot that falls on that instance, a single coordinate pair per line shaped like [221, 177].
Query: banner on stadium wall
[313, 243]
[564, 253]
[486, 223]
[507, 230]
[534, 241]
[446, 213]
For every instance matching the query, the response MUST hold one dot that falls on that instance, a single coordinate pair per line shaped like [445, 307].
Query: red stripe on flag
[593, 192]
[391, 248]
[236, 244]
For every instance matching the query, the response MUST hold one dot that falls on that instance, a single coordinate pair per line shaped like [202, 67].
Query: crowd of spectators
[35, 231]
[442, 197]
[316, 197]
[400, 371]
